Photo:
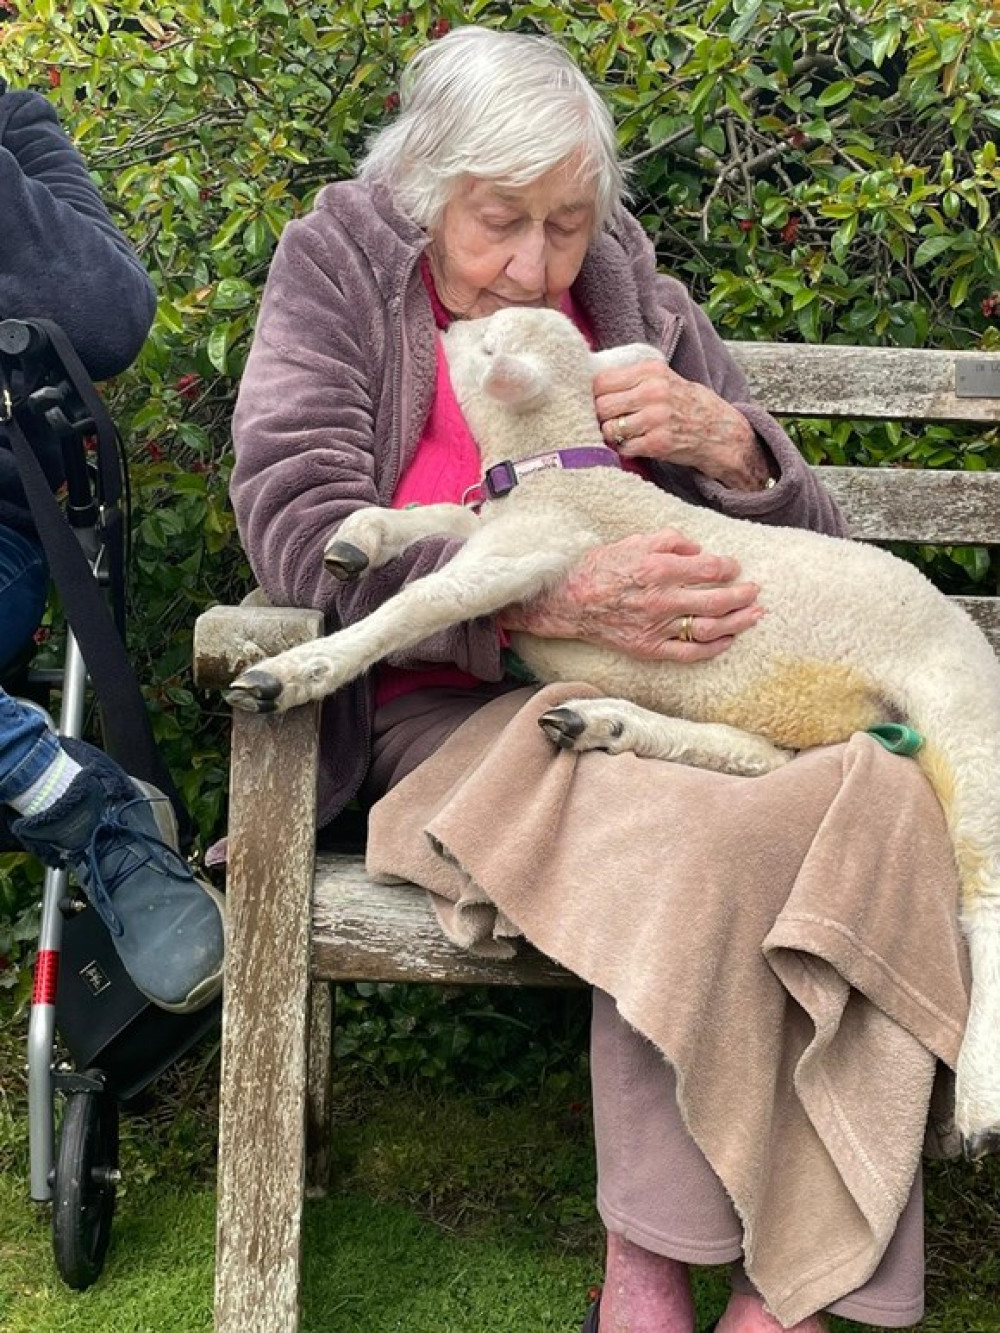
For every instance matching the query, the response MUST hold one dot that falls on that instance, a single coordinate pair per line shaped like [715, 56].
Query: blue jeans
[27, 747]
[24, 585]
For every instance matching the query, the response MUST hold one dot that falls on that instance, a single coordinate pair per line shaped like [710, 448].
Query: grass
[452, 1214]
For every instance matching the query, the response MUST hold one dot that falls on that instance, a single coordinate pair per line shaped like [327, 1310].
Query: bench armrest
[228, 639]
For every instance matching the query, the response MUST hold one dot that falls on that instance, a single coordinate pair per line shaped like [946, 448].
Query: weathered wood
[319, 1091]
[859, 383]
[985, 611]
[364, 931]
[906, 505]
[228, 639]
[272, 820]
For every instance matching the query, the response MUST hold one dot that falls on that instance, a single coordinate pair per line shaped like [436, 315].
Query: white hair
[500, 106]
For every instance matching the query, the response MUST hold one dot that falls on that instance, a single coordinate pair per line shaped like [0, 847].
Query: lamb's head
[523, 378]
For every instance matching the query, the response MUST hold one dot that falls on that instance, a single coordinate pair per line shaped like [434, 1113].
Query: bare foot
[746, 1314]
[644, 1292]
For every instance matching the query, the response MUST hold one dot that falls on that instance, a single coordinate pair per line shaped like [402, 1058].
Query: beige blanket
[788, 942]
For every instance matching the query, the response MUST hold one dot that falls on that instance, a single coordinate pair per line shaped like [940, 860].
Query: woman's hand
[646, 410]
[655, 596]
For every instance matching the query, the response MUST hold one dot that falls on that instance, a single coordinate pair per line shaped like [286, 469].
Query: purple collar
[501, 479]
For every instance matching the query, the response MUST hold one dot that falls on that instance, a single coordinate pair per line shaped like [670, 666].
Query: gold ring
[684, 633]
[620, 429]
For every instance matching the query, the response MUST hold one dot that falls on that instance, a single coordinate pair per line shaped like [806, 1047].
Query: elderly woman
[499, 185]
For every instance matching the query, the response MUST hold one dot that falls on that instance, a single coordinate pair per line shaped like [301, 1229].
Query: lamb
[798, 679]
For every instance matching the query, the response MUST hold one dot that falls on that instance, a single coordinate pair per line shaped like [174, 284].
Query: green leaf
[960, 289]
[702, 93]
[931, 248]
[218, 347]
[233, 294]
[836, 93]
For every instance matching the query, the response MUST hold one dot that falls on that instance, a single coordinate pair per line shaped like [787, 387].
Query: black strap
[128, 733]
[109, 466]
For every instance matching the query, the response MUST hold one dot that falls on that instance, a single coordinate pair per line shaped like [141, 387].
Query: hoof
[563, 726]
[345, 561]
[980, 1144]
[255, 691]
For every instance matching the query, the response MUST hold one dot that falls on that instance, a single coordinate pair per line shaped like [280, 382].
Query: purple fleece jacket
[336, 392]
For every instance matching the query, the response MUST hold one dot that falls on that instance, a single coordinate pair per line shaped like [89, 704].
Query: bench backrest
[894, 384]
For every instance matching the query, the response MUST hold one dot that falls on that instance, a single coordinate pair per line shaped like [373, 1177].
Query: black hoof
[975, 1146]
[345, 561]
[254, 691]
[563, 726]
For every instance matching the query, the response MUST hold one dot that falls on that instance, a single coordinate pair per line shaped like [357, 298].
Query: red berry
[439, 28]
[154, 452]
[55, 76]
[187, 386]
[790, 231]
[391, 103]
[745, 224]
[796, 138]
[405, 19]
[42, 634]
[991, 305]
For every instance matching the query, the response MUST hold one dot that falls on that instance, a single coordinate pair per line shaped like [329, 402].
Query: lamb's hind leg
[957, 709]
[369, 538]
[977, 1085]
[616, 725]
[506, 560]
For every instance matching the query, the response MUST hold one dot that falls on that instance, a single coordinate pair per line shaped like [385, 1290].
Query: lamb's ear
[627, 355]
[515, 380]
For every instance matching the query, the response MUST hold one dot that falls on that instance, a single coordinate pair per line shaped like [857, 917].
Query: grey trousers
[655, 1188]
[654, 1185]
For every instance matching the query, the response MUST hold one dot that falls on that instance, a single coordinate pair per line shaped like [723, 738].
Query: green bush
[814, 170]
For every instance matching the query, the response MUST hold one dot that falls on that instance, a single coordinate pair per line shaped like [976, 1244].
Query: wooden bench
[299, 922]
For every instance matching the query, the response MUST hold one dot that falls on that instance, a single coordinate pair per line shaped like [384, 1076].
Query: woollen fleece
[337, 390]
[63, 259]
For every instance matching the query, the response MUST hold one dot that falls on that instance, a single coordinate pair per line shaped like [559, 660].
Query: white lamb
[835, 653]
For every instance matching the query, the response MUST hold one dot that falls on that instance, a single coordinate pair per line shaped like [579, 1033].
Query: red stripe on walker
[46, 976]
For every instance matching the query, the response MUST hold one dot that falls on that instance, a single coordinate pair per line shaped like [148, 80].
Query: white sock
[49, 787]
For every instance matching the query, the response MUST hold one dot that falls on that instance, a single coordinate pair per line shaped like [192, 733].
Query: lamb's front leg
[618, 726]
[370, 538]
[509, 559]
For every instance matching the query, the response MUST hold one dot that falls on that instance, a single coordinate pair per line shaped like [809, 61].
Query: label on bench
[978, 379]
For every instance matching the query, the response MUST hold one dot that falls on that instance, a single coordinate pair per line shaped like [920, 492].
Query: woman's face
[497, 246]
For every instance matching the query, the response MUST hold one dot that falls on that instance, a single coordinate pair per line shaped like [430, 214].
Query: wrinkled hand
[647, 410]
[655, 596]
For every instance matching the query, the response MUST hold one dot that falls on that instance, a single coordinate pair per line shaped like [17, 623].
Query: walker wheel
[83, 1191]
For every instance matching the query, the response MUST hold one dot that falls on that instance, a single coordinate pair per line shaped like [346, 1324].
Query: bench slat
[863, 383]
[907, 505]
[364, 931]
[985, 611]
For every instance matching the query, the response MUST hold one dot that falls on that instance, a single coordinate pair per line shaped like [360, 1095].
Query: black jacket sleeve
[61, 256]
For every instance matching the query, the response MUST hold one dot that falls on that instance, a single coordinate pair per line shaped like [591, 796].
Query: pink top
[444, 466]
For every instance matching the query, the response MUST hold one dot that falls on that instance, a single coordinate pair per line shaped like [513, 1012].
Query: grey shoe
[119, 837]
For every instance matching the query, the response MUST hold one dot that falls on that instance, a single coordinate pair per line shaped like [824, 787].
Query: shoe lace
[115, 852]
